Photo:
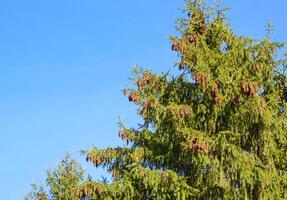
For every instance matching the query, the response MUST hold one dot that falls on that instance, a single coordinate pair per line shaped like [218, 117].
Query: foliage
[62, 182]
[37, 193]
[215, 131]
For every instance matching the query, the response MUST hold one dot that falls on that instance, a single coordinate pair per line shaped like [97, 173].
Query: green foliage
[62, 183]
[215, 131]
[37, 193]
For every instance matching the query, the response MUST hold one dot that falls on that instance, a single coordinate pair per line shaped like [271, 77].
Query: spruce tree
[61, 183]
[215, 131]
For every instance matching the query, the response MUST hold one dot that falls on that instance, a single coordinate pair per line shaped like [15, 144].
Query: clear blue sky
[64, 62]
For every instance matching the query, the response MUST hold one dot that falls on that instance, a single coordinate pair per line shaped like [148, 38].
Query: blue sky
[63, 64]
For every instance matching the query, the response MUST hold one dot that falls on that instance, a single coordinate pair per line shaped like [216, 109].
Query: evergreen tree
[215, 131]
[62, 183]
